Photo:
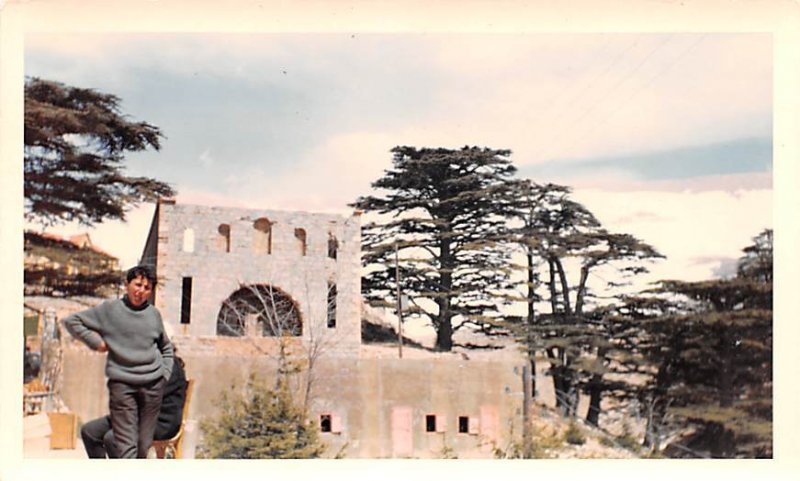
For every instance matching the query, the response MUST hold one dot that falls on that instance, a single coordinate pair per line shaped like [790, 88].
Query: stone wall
[190, 244]
[378, 406]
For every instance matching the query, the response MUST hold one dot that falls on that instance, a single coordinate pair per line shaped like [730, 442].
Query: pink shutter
[474, 425]
[489, 422]
[336, 423]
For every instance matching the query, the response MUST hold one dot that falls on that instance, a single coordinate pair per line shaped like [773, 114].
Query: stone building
[217, 267]
[230, 280]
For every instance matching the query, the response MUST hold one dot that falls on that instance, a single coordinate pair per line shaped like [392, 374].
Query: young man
[139, 359]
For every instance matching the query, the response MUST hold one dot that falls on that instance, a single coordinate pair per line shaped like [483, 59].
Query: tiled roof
[81, 241]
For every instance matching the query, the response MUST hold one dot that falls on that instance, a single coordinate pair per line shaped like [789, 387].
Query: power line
[660, 73]
[544, 115]
[585, 88]
[545, 152]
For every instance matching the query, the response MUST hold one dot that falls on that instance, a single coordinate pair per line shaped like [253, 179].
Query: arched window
[224, 238]
[188, 240]
[262, 238]
[259, 308]
[300, 235]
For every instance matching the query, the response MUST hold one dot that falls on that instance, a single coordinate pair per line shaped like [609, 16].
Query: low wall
[380, 407]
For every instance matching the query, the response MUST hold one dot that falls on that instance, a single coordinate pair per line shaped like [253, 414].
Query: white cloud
[206, 159]
[197, 197]
[684, 226]
[326, 179]
[544, 96]
[558, 97]
[609, 180]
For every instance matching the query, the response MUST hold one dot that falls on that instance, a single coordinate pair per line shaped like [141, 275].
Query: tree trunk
[444, 336]
[652, 432]
[555, 373]
[656, 406]
[725, 375]
[562, 382]
[564, 286]
[595, 396]
[444, 332]
[596, 392]
[579, 299]
[530, 320]
[569, 393]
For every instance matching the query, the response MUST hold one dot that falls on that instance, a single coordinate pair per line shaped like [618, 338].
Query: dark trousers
[134, 412]
[98, 437]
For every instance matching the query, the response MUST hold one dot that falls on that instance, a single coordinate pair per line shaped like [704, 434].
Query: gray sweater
[139, 350]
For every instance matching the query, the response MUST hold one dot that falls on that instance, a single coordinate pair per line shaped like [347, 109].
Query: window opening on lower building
[430, 423]
[463, 424]
[325, 423]
[330, 423]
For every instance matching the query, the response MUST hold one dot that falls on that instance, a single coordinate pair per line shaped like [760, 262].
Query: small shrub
[627, 440]
[259, 422]
[574, 435]
[513, 451]
[447, 452]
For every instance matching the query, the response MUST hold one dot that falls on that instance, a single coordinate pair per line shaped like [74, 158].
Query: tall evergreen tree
[75, 142]
[550, 227]
[577, 340]
[712, 351]
[445, 212]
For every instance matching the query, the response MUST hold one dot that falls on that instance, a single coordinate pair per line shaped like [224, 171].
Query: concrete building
[234, 282]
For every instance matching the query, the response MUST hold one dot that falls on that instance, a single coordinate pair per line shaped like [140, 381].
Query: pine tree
[75, 142]
[579, 341]
[712, 351]
[445, 212]
[260, 422]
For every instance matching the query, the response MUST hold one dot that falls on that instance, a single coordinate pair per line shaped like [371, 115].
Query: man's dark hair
[141, 271]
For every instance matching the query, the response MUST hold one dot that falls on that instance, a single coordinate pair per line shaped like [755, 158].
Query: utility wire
[543, 153]
[565, 108]
[544, 115]
[659, 74]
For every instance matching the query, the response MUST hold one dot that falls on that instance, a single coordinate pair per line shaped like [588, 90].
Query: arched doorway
[259, 309]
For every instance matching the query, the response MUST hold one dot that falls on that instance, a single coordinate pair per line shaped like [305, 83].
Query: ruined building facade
[231, 280]
[217, 266]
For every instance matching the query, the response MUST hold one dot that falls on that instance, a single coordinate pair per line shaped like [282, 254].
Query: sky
[667, 136]
[664, 136]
